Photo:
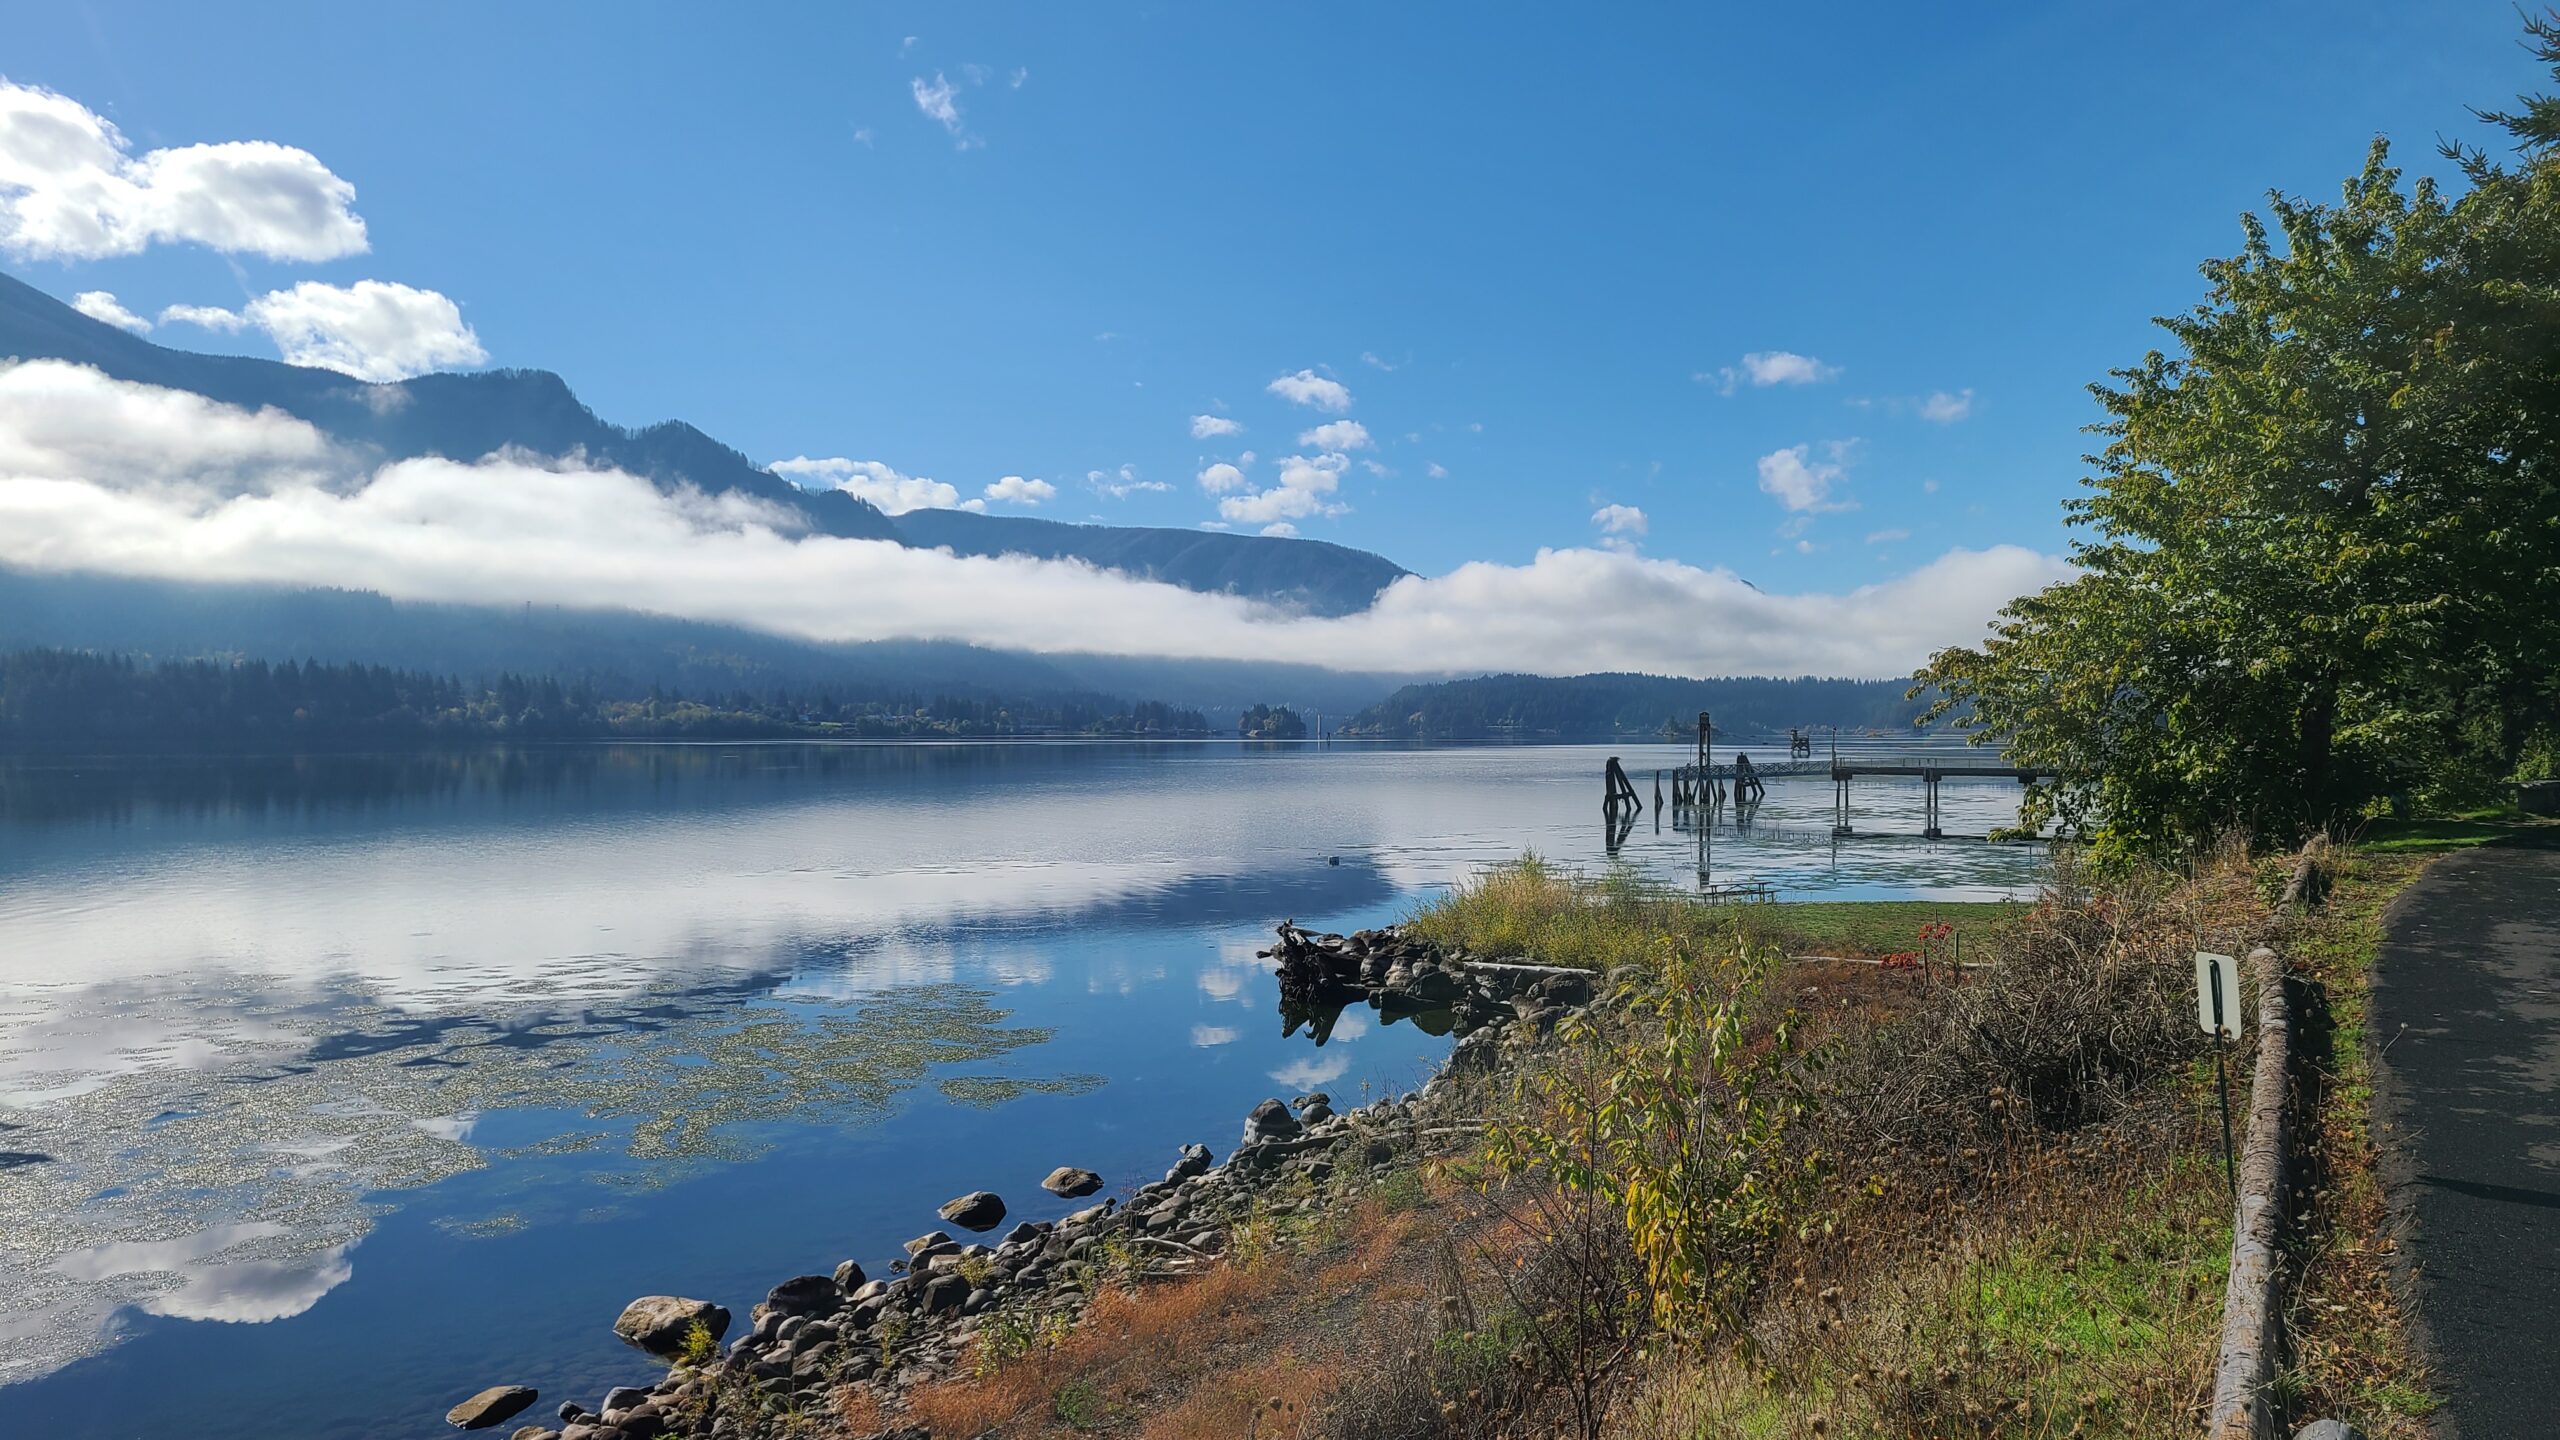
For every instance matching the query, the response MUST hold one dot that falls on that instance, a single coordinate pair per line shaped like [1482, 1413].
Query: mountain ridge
[465, 415]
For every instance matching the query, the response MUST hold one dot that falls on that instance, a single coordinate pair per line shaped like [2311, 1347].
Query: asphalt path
[2466, 1008]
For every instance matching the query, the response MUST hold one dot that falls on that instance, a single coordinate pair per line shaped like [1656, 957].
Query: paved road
[2470, 963]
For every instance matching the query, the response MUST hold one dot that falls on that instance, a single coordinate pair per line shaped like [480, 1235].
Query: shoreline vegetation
[74, 702]
[1692, 1170]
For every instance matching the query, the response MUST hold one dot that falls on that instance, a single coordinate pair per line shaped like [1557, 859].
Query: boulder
[534, 1432]
[663, 1324]
[1069, 1183]
[621, 1398]
[805, 1295]
[492, 1406]
[933, 1240]
[1270, 1120]
[1195, 1161]
[977, 1210]
[945, 1292]
[1027, 1232]
[849, 1276]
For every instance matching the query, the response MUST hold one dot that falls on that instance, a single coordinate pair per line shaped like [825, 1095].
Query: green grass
[2461, 832]
[2351, 1357]
[1531, 910]
[1871, 927]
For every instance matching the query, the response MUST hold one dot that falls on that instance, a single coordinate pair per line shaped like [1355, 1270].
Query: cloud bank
[101, 475]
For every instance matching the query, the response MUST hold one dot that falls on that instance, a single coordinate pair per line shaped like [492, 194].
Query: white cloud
[940, 102]
[1762, 368]
[870, 480]
[1337, 435]
[103, 305]
[1015, 490]
[1436, 471]
[1221, 478]
[1929, 487]
[1620, 520]
[1373, 362]
[1309, 388]
[1122, 483]
[863, 137]
[1946, 409]
[1020, 76]
[373, 329]
[1803, 483]
[1210, 427]
[211, 317]
[1305, 481]
[100, 475]
[1887, 537]
[1281, 529]
[71, 189]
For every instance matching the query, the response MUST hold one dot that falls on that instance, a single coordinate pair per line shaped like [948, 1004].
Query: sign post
[2218, 1014]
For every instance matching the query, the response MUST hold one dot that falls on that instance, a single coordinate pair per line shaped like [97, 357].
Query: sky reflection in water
[413, 1070]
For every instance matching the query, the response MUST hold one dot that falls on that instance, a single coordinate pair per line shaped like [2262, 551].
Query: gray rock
[928, 1241]
[492, 1406]
[663, 1324]
[1315, 1112]
[622, 1397]
[1195, 1160]
[571, 1412]
[534, 1432]
[806, 1295]
[1270, 1120]
[849, 1276]
[944, 1292]
[977, 1210]
[2328, 1430]
[1026, 1232]
[1313, 1097]
[1069, 1183]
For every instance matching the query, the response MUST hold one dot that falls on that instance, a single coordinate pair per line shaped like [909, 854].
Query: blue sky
[1529, 243]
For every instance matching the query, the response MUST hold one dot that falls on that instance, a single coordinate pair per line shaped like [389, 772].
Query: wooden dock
[1706, 782]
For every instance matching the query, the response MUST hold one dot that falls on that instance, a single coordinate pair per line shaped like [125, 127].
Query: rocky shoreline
[814, 1335]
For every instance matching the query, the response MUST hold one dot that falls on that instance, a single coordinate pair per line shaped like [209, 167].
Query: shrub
[1670, 1106]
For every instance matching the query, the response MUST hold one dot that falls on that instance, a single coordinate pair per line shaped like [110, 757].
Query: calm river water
[332, 1091]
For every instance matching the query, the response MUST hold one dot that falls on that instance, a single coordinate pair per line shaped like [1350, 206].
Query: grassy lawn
[1531, 910]
[1871, 927]
[2456, 832]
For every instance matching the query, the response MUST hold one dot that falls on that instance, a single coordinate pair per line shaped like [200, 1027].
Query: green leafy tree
[2324, 569]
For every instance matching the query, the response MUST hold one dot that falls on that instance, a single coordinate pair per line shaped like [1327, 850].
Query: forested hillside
[65, 702]
[1608, 706]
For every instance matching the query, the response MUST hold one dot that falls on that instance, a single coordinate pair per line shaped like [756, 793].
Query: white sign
[2218, 995]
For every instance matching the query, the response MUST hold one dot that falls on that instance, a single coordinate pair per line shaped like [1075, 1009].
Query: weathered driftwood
[2252, 1307]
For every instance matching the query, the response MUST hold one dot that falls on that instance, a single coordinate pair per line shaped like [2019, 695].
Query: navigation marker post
[2218, 1014]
